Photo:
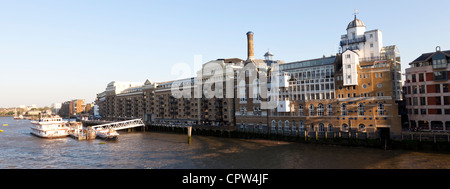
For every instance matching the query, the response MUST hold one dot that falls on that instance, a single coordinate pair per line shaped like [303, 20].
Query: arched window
[320, 109]
[311, 110]
[344, 109]
[294, 127]
[329, 110]
[362, 128]
[273, 127]
[380, 109]
[300, 110]
[345, 127]
[301, 126]
[286, 124]
[321, 127]
[312, 127]
[280, 125]
[330, 128]
[360, 109]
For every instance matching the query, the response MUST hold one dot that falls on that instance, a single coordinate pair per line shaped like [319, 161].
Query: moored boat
[76, 130]
[51, 127]
[107, 133]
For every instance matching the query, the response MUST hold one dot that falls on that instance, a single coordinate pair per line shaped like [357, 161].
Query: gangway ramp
[122, 124]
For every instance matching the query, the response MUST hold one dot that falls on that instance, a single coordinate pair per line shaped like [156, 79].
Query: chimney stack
[250, 54]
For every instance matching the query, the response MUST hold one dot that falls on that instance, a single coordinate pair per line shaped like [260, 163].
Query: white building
[56, 107]
[368, 43]
[359, 45]
[118, 87]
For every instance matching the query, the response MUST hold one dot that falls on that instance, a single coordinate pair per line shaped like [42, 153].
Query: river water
[151, 150]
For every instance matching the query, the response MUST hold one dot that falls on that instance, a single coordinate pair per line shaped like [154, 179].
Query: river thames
[152, 150]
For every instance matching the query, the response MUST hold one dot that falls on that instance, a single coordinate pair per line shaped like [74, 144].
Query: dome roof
[355, 23]
[268, 53]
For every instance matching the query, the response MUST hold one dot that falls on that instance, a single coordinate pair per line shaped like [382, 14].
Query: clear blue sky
[53, 51]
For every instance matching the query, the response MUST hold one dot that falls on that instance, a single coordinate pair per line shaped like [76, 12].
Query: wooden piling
[189, 134]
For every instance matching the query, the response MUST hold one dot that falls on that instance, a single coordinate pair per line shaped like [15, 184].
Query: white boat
[52, 127]
[76, 130]
[107, 134]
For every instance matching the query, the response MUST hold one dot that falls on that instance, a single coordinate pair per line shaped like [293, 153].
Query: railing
[122, 124]
[352, 41]
[375, 58]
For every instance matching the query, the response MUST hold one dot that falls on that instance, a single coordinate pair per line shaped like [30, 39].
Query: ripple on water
[149, 150]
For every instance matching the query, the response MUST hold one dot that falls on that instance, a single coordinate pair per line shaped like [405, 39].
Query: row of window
[302, 127]
[361, 95]
[435, 125]
[422, 89]
[430, 111]
[422, 101]
[437, 76]
[344, 112]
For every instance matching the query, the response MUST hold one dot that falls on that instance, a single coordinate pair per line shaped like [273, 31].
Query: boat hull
[49, 137]
[108, 137]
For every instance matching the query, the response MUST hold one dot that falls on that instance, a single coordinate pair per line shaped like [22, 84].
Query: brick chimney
[250, 54]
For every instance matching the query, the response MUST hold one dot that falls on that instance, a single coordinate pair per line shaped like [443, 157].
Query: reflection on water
[149, 150]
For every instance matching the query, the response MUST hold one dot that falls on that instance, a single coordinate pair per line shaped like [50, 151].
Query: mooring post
[189, 134]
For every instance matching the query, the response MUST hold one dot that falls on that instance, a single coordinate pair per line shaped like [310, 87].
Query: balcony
[374, 58]
[353, 41]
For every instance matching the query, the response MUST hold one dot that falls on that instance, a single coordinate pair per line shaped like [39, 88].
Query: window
[329, 110]
[360, 109]
[344, 109]
[371, 45]
[445, 87]
[364, 86]
[439, 76]
[379, 85]
[320, 110]
[423, 101]
[286, 124]
[321, 127]
[380, 109]
[421, 78]
[280, 126]
[439, 61]
[362, 128]
[311, 110]
[300, 110]
[349, 66]
[437, 88]
[330, 128]
[423, 111]
[422, 89]
[345, 127]
[438, 100]
[446, 100]
[301, 126]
